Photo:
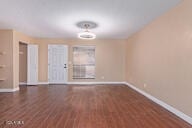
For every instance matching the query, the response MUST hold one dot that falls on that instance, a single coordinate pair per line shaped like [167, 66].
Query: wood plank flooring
[89, 106]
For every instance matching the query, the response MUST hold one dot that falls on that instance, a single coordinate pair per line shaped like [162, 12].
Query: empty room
[95, 64]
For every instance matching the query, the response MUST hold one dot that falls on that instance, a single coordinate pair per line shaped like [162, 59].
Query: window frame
[84, 46]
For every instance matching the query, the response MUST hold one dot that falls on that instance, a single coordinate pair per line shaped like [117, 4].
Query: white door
[57, 64]
[32, 64]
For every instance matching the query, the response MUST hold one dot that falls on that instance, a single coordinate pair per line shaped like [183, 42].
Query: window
[84, 62]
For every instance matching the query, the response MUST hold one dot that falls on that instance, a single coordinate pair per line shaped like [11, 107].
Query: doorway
[28, 64]
[22, 63]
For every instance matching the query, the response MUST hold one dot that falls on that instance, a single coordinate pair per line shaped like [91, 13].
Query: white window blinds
[83, 62]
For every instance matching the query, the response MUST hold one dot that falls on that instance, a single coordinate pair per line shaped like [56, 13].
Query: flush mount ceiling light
[86, 34]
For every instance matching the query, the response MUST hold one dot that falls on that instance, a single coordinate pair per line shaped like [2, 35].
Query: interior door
[32, 64]
[57, 64]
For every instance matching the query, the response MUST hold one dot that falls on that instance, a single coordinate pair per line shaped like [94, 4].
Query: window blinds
[83, 62]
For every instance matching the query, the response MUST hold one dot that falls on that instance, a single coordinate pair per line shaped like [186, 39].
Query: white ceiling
[116, 19]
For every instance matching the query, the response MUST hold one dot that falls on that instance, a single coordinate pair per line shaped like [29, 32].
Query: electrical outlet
[102, 77]
[144, 85]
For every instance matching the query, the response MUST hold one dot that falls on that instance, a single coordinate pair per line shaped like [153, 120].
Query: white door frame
[32, 68]
[67, 69]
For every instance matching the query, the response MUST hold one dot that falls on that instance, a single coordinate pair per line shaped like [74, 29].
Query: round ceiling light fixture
[86, 34]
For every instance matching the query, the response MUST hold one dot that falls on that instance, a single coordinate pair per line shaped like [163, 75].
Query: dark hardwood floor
[75, 106]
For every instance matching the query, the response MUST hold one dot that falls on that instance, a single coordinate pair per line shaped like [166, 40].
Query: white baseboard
[82, 83]
[76, 83]
[58, 83]
[163, 104]
[99, 83]
[43, 83]
[10, 90]
[39, 83]
[22, 83]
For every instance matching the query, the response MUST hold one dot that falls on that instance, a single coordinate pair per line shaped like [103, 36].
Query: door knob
[65, 65]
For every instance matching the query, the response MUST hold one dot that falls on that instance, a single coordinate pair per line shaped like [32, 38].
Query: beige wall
[9, 41]
[18, 37]
[160, 56]
[6, 45]
[110, 58]
[22, 62]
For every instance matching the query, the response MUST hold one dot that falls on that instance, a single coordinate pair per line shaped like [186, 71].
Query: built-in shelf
[2, 53]
[2, 66]
[2, 79]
